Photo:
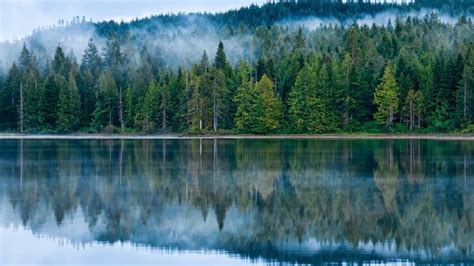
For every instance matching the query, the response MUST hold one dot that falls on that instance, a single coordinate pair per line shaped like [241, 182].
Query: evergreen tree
[258, 108]
[10, 100]
[219, 91]
[220, 60]
[269, 110]
[26, 60]
[90, 70]
[466, 88]
[302, 100]
[165, 105]
[245, 99]
[349, 107]
[386, 98]
[106, 112]
[196, 104]
[311, 110]
[326, 79]
[129, 108]
[60, 64]
[178, 101]
[413, 109]
[148, 116]
[34, 120]
[69, 106]
[27, 92]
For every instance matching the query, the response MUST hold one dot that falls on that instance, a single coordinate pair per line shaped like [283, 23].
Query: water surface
[236, 202]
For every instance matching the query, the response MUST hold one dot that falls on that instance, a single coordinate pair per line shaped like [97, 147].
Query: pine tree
[69, 106]
[426, 84]
[106, 110]
[269, 111]
[412, 109]
[90, 70]
[386, 98]
[60, 64]
[302, 97]
[258, 108]
[219, 91]
[420, 107]
[26, 60]
[178, 102]
[220, 60]
[49, 101]
[56, 80]
[165, 105]
[129, 108]
[196, 103]
[32, 103]
[349, 107]
[28, 107]
[149, 110]
[245, 100]
[311, 110]
[465, 88]
[10, 100]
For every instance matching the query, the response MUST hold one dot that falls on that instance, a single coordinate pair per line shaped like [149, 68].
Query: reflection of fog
[257, 198]
[61, 251]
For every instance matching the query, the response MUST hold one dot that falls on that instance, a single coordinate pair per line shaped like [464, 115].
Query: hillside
[287, 67]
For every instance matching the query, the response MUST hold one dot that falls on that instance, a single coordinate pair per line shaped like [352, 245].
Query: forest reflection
[248, 196]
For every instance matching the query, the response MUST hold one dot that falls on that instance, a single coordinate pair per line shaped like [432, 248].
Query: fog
[182, 43]
[383, 18]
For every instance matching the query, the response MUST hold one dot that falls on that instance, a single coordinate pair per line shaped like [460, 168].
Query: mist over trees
[412, 74]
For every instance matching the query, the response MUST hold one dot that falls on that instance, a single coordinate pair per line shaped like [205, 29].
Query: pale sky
[19, 18]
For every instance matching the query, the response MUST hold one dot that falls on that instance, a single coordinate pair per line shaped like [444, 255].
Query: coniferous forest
[412, 74]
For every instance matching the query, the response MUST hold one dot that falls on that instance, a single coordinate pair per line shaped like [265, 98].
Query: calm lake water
[236, 202]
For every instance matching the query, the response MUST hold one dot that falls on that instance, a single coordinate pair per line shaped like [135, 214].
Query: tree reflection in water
[285, 200]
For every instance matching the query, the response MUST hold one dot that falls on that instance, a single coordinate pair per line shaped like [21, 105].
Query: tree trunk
[214, 113]
[164, 120]
[110, 113]
[346, 119]
[419, 117]
[122, 125]
[390, 119]
[22, 108]
[465, 97]
[200, 112]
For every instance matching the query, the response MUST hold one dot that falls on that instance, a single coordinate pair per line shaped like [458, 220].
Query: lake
[236, 202]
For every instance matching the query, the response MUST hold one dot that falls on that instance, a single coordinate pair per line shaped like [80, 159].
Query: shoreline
[13, 136]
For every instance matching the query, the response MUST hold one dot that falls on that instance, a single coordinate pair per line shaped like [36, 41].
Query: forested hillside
[268, 74]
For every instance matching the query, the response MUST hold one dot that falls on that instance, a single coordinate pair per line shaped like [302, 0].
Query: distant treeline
[274, 11]
[414, 74]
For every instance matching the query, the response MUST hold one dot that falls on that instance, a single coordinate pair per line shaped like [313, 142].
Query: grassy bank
[6, 136]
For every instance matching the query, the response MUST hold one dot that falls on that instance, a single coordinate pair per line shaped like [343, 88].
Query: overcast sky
[18, 18]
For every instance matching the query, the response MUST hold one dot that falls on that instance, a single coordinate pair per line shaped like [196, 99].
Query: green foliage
[33, 103]
[146, 118]
[221, 60]
[105, 113]
[258, 108]
[270, 109]
[386, 98]
[468, 129]
[10, 100]
[69, 106]
[245, 100]
[372, 127]
[196, 104]
[311, 109]
[331, 79]
[89, 81]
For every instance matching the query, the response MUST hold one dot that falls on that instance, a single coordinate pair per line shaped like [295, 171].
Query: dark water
[215, 202]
